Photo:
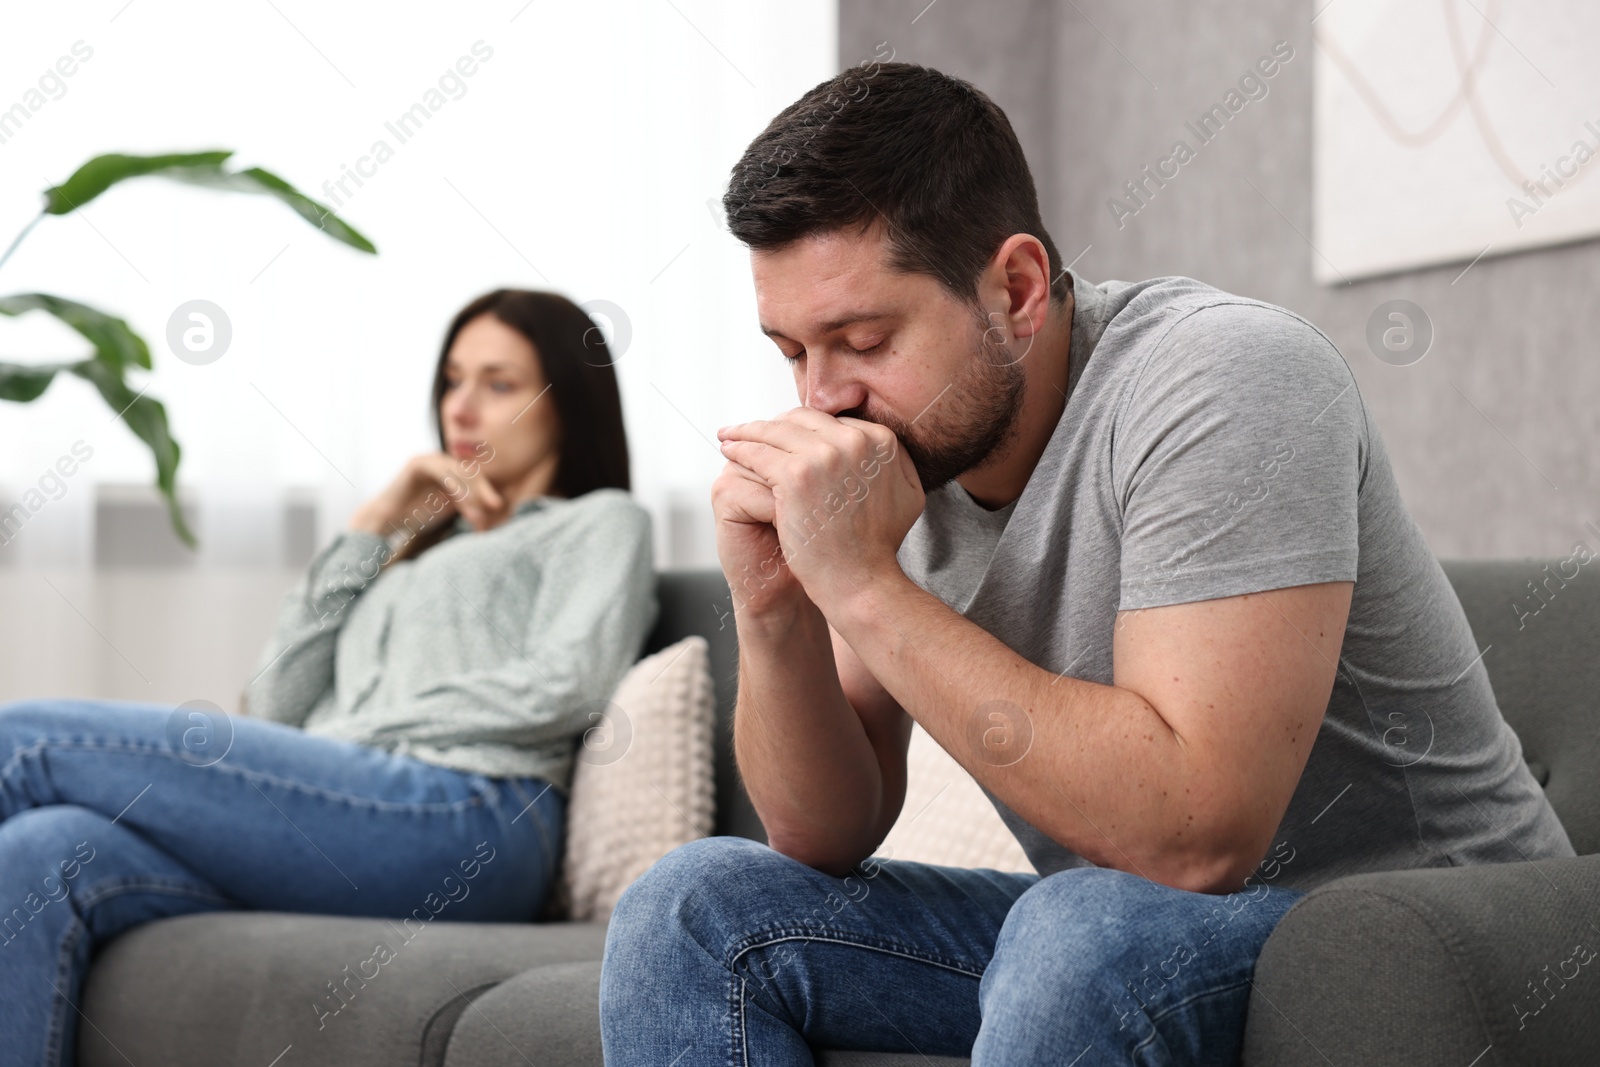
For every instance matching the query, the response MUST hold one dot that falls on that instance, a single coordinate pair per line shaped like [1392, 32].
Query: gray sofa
[1423, 967]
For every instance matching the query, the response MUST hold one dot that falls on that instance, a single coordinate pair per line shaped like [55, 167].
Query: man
[1133, 554]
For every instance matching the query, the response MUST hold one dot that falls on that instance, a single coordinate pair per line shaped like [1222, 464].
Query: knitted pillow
[946, 819]
[641, 781]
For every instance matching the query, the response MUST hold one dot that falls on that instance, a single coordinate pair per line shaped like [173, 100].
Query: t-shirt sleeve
[1237, 461]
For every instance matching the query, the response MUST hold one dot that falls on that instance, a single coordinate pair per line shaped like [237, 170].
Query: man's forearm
[1098, 770]
[802, 751]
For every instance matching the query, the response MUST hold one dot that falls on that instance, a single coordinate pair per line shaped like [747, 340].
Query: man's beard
[965, 425]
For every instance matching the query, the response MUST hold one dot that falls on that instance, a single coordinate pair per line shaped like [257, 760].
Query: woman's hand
[433, 487]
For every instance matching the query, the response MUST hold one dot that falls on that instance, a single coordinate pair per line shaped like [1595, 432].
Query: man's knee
[1078, 936]
[1080, 901]
[1108, 942]
[697, 861]
[693, 878]
[686, 906]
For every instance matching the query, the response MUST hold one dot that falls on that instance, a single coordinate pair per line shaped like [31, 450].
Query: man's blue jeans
[728, 953]
[113, 814]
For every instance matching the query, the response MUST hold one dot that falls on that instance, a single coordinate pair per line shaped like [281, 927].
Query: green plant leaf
[311, 210]
[113, 339]
[102, 172]
[117, 348]
[256, 180]
[197, 168]
[23, 382]
[148, 420]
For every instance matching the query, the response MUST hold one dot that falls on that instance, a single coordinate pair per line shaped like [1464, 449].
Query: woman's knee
[42, 852]
[27, 722]
[20, 719]
[40, 830]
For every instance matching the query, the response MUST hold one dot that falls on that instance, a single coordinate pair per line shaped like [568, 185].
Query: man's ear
[1020, 271]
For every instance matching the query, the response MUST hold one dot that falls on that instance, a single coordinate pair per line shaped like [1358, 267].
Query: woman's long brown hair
[583, 386]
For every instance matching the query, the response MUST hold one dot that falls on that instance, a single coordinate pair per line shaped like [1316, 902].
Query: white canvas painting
[1449, 130]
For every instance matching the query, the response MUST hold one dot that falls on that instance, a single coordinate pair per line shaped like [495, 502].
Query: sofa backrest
[1543, 659]
[1540, 623]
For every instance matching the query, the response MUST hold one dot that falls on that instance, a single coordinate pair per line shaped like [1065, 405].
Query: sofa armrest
[1493, 964]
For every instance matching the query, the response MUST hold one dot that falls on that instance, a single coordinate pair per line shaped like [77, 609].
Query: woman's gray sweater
[490, 652]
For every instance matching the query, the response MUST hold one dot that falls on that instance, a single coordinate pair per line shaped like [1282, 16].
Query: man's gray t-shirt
[1214, 445]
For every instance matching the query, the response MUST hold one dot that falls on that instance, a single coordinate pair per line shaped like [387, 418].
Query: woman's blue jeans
[728, 953]
[115, 813]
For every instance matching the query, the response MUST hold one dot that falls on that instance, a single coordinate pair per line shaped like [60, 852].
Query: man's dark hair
[928, 154]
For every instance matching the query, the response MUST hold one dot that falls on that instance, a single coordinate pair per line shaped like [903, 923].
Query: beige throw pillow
[946, 818]
[642, 781]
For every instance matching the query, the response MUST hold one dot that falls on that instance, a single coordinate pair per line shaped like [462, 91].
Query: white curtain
[584, 153]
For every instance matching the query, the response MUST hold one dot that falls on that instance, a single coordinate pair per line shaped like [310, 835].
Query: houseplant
[118, 349]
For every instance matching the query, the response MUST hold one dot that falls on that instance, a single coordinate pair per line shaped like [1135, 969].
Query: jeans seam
[1185, 1002]
[442, 807]
[739, 986]
[545, 843]
[75, 932]
[58, 1015]
[547, 859]
[888, 946]
[104, 891]
[744, 1033]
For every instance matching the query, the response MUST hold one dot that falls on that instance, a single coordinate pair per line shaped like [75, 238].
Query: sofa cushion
[551, 1014]
[243, 987]
[548, 1014]
[641, 782]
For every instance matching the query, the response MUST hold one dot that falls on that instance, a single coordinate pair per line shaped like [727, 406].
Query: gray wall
[1491, 434]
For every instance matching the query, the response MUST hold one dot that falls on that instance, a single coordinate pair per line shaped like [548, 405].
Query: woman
[412, 723]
